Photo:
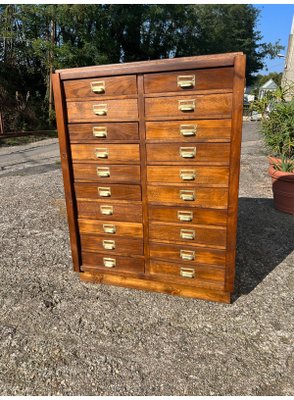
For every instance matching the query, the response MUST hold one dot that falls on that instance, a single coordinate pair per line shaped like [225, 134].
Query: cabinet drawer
[208, 153]
[106, 263]
[119, 245]
[110, 173]
[108, 110]
[188, 196]
[106, 153]
[187, 254]
[185, 81]
[216, 176]
[190, 235]
[111, 228]
[189, 106]
[100, 87]
[109, 211]
[91, 190]
[103, 132]
[191, 131]
[188, 275]
[187, 215]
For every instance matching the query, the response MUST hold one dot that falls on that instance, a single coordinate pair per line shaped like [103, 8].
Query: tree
[35, 38]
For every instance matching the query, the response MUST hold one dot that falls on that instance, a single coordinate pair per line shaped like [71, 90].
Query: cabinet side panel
[237, 119]
[67, 172]
[143, 157]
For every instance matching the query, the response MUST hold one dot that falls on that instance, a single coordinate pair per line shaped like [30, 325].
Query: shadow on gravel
[265, 239]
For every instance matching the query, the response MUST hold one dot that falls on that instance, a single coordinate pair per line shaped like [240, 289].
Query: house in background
[269, 86]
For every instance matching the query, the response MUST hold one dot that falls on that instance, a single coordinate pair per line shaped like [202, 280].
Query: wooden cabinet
[150, 155]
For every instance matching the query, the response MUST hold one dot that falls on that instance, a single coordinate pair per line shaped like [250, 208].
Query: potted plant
[277, 127]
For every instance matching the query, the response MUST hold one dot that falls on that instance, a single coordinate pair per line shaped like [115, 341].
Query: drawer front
[118, 245]
[106, 263]
[185, 81]
[106, 153]
[109, 211]
[217, 176]
[188, 196]
[187, 254]
[91, 190]
[108, 110]
[189, 106]
[188, 275]
[190, 235]
[111, 228]
[110, 173]
[208, 153]
[191, 131]
[187, 215]
[103, 132]
[100, 87]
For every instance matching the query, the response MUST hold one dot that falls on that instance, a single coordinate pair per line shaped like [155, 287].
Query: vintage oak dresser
[150, 156]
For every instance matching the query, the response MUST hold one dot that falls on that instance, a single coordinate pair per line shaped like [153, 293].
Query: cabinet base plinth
[156, 286]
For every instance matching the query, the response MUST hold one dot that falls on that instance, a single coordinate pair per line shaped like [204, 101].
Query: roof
[270, 84]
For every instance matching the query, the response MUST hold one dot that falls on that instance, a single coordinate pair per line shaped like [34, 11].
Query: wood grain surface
[218, 130]
[205, 153]
[91, 209]
[205, 79]
[204, 234]
[206, 176]
[202, 216]
[116, 153]
[117, 110]
[114, 86]
[113, 173]
[83, 133]
[203, 196]
[89, 190]
[206, 106]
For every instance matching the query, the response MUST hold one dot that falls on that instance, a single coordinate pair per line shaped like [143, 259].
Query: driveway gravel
[59, 336]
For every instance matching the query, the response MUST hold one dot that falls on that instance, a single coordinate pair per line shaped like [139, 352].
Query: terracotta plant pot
[283, 188]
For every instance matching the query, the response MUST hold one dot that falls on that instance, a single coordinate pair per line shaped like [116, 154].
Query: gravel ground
[62, 337]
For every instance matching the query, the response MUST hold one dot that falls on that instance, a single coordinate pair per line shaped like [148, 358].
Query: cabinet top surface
[170, 64]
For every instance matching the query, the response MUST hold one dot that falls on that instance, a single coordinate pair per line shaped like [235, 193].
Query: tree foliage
[34, 38]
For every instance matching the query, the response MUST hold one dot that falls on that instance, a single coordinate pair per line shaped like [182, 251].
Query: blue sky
[275, 22]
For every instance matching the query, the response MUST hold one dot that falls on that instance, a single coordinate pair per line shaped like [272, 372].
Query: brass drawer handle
[100, 109]
[104, 191]
[101, 153]
[185, 216]
[186, 81]
[103, 172]
[108, 244]
[186, 105]
[188, 130]
[100, 131]
[187, 255]
[187, 272]
[188, 174]
[187, 195]
[98, 87]
[188, 152]
[187, 234]
[109, 228]
[106, 210]
[109, 262]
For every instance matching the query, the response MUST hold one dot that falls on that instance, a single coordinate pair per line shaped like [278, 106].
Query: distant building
[269, 86]
[288, 74]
